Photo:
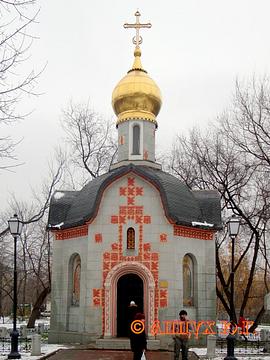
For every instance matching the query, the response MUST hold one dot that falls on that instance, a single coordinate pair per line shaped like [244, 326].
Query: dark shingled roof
[182, 206]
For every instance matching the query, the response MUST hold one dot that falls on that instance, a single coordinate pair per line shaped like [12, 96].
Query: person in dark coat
[138, 342]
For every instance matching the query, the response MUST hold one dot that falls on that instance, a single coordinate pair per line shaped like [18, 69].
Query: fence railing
[24, 340]
[24, 345]
[242, 346]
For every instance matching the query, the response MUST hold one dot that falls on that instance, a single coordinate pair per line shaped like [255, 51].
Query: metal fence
[24, 345]
[25, 338]
[241, 346]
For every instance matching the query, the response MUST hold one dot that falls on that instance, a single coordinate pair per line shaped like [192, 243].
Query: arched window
[131, 238]
[76, 280]
[136, 140]
[188, 281]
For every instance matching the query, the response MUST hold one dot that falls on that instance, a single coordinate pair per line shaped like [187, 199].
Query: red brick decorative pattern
[98, 297]
[147, 219]
[163, 237]
[132, 211]
[163, 297]
[98, 238]
[193, 233]
[71, 233]
[131, 191]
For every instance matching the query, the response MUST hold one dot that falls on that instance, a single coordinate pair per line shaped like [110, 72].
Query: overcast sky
[194, 51]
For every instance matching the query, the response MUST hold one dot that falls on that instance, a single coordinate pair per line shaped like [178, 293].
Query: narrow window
[136, 140]
[188, 281]
[76, 280]
[130, 238]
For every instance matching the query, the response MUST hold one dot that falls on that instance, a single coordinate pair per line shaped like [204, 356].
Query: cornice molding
[188, 232]
[71, 233]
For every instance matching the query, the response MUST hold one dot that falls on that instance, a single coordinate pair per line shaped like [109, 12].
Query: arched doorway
[110, 289]
[129, 288]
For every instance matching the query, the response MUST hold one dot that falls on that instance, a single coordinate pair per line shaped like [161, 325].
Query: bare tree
[34, 247]
[232, 157]
[93, 150]
[15, 42]
[40, 265]
[248, 123]
[92, 142]
[5, 276]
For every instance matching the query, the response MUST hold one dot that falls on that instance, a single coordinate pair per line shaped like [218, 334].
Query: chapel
[136, 233]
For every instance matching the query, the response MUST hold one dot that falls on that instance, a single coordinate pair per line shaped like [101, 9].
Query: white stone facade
[130, 201]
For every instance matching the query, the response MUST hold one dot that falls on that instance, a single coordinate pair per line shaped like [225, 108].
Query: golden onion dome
[136, 96]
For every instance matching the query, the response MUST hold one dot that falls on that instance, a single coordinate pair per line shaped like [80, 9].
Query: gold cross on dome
[137, 40]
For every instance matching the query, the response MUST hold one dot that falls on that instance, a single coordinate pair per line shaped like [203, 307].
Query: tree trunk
[257, 320]
[35, 312]
[1, 284]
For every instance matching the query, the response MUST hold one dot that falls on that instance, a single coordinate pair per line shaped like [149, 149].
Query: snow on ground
[45, 350]
[241, 356]
[258, 357]
[9, 325]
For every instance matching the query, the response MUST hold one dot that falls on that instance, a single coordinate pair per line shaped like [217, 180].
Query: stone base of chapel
[70, 337]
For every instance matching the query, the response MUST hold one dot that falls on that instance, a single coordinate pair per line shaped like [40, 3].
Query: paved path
[76, 354]
[106, 355]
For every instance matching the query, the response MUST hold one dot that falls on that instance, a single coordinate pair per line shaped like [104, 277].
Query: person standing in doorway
[138, 342]
[181, 336]
[132, 311]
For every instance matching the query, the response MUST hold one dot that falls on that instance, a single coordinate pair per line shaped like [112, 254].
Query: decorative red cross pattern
[131, 211]
[131, 191]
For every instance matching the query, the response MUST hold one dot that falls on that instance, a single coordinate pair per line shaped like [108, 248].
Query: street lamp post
[15, 227]
[233, 228]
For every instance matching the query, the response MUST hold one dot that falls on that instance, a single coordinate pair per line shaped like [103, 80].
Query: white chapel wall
[102, 233]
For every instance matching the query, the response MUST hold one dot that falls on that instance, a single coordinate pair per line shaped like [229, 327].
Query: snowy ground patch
[201, 352]
[45, 350]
